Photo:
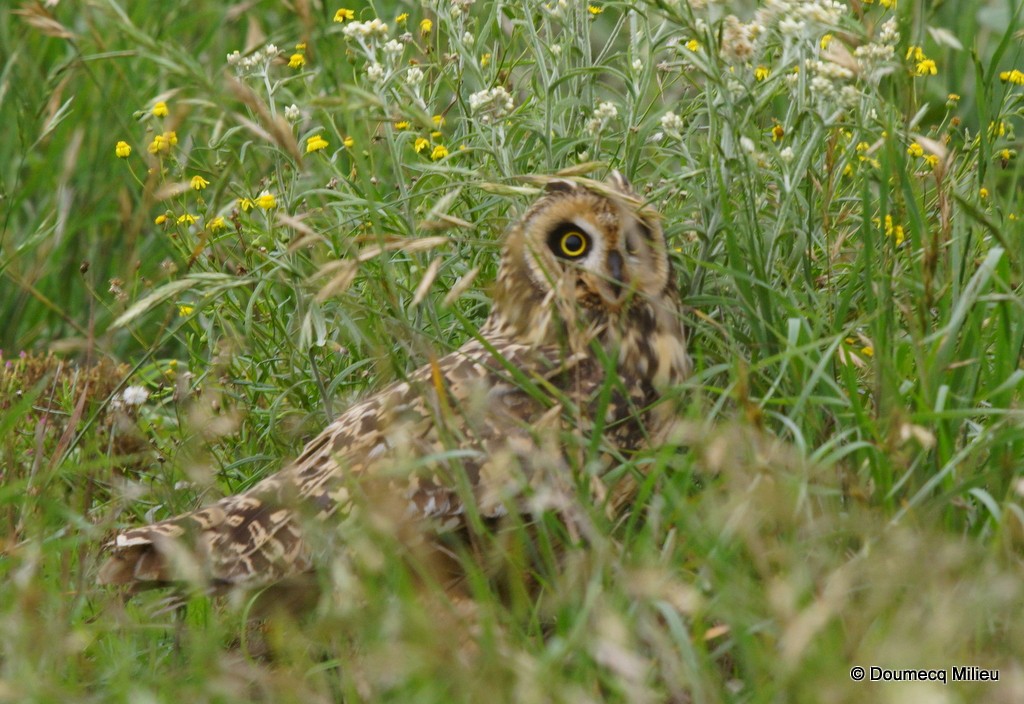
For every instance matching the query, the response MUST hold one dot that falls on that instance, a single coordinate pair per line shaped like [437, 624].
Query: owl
[585, 336]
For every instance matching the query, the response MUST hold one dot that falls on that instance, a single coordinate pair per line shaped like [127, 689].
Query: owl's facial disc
[596, 247]
[612, 257]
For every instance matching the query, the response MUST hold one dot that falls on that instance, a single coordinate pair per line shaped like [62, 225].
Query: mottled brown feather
[482, 417]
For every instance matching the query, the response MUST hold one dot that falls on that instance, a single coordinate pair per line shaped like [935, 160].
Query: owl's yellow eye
[568, 241]
[573, 244]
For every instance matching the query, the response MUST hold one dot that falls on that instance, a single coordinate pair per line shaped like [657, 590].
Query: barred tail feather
[239, 541]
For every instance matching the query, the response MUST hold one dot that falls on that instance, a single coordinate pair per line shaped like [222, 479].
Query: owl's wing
[470, 423]
[240, 539]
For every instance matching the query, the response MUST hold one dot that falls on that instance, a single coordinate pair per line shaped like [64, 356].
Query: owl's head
[586, 250]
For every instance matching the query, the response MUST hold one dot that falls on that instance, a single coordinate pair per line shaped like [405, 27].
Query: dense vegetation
[220, 223]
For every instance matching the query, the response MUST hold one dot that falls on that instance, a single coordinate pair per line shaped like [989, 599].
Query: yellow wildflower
[438, 120]
[693, 45]
[778, 132]
[159, 144]
[160, 220]
[426, 26]
[594, 10]
[926, 68]
[217, 224]
[402, 125]
[198, 183]
[436, 133]
[301, 46]
[123, 150]
[915, 149]
[760, 73]
[160, 109]
[348, 142]
[484, 60]
[893, 230]
[915, 52]
[296, 61]
[1007, 154]
[186, 219]
[848, 170]
[983, 193]
[888, 4]
[344, 15]
[266, 201]
[440, 152]
[953, 97]
[1013, 76]
[862, 147]
[246, 204]
[185, 311]
[932, 160]
[402, 18]
[868, 351]
[825, 41]
[420, 144]
[997, 129]
[315, 143]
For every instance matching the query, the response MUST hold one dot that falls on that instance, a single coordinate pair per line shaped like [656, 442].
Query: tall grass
[846, 487]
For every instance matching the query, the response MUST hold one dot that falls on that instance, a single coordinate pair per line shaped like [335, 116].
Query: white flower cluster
[491, 104]
[368, 35]
[131, 396]
[824, 13]
[828, 83]
[672, 124]
[792, 27]
[254, 62]
[890, 32]
[873, 58]
[365, 30]
[415, 76]
[738, 39]
[605, 113]
[292, 113]
[825, 74]
[557, 9]
[799, 19]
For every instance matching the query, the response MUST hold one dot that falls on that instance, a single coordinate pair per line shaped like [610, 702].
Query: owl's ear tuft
[620, 183]
[560, 185]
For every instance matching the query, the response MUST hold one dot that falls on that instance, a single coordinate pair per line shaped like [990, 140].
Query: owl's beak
[615, 269]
